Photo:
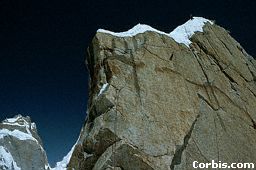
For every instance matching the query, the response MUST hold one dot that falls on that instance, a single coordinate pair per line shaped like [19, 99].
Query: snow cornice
[181, 34]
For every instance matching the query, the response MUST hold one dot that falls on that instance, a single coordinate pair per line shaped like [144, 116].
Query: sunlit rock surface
[157, 103]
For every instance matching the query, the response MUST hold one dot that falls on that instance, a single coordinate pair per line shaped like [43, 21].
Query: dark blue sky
[43, 46]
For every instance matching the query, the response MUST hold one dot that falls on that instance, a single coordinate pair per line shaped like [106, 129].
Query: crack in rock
[178, 153]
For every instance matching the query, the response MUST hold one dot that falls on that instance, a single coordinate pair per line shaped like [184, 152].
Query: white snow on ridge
[6, 160]
[12, 120]
[181, 34]
[137, 29]
[17, 134]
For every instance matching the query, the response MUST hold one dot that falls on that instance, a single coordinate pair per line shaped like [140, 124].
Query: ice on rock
[103, 88]
[6, 160]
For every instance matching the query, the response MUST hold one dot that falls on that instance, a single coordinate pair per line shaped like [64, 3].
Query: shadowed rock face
[165, 105]
[20, 146]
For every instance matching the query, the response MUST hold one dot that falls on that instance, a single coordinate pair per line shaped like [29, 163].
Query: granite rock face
[157, 104]
[20, 146]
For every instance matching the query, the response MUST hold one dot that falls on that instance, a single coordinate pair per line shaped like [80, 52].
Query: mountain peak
[18, 141]
[161, 100]
[181, 34]
[19, 120]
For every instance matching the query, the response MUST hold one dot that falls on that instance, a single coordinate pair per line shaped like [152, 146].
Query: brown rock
[167, 105]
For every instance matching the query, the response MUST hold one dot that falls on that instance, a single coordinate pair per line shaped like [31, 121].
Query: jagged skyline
[42, 72]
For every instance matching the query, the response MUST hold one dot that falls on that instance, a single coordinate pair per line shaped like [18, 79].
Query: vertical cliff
[162, 101]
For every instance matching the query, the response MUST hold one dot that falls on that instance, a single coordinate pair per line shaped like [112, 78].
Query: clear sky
[43, 46]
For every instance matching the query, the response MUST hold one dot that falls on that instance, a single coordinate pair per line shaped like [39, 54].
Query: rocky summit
[20, 146]
[158, 101]
[163, 100]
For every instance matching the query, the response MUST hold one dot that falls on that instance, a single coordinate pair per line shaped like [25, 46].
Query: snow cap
[181, 34]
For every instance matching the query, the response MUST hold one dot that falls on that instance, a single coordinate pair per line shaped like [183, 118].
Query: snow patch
[17, 134]
[181, 34]
[62, 165]
[6, 160]
[103, 88]
[47, 167]
[33, 125]
[12, 124]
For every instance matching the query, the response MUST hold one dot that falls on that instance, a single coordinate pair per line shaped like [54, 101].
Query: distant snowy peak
[19, 120]
[19, 127]
[21, 123]
[16, 135]
[181, 34]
